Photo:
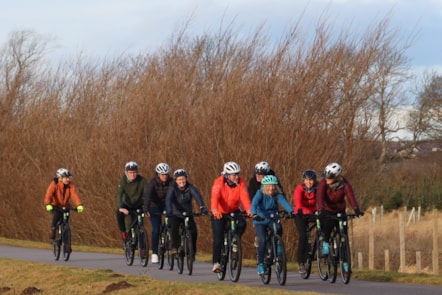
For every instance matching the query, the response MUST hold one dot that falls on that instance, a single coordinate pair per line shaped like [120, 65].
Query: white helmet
[162, 168]
[131, 166]
[231, 168]
[262, 168]
[333, 170]
[63, 172]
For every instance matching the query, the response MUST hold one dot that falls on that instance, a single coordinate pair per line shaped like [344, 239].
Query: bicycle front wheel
[170, 256]
[267, 275]
[56, 244]
[280, 261]
[321, 260]
[332, 260]
[311, 249]
[129, 251]
[67, 249]
[143, 246]
[345, 259]
[188, 250]
[162, 248]
[223, 263]
[235, 257]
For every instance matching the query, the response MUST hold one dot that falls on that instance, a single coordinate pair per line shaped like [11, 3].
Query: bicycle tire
[170, 256]
[321, 260]
[56, 244]
[66, 238]
[266, 277]
[129, 250]
[235, 258]
[143, 246]
[162, 248]
[180, 255]
[311, 250]
[223, 262]
[188, 250]
[280, 265]
[345, 259]
[332, 260]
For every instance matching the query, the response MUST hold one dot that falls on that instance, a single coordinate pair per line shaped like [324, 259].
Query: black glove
[204, 211]
[358, 212]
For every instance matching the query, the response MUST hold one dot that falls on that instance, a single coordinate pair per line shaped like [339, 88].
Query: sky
[106, 28]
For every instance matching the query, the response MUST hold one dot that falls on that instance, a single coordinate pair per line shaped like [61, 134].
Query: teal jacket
[265, 205]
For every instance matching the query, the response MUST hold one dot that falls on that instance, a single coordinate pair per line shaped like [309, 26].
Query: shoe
[154, 258]
[279, 249]
[68, 248]
[123, 235]
[234, 247]
[256, 243]
[301, 268]
[216, 267]
[325, 248]
[52, 234]
[260, 269]
[345, 266]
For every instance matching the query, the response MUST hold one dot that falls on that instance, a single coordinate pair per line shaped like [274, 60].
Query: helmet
[179, 172]
[162, 168]
[63, 172]
[231, 168]
[309, 174]
[333, 170]
[269, 179]
[131, 166]
[262, 168]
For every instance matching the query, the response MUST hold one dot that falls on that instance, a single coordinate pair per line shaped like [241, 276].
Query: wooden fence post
[418, 262]
[371, 246]
[360, 264]
[401, 243]
[387, 260]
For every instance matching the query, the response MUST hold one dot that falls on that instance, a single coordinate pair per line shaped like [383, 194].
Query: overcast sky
[110, 27]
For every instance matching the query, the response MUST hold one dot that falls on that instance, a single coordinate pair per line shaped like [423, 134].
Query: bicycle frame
[186, 250]
[62, 240]
[312, 241]
[136, 239]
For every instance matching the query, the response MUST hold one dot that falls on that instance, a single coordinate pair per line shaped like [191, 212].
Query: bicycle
[136, 238]
[339, 250]
[164, 246]
[186, 246]
[62, 235]
[312, 244]
[231, 252]
[275, 250]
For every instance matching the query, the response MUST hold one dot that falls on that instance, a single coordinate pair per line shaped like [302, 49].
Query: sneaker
[154, 258]
[68, 248]
[256, 243]
[301, 268]
[52, 234]
[216, 267]
[234, 246]
[278, 249]
[260, 269]
[123, 235]
[325, 248]
[345, 266]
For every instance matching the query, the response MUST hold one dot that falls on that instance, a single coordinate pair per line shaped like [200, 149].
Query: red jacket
[226, 199]
[55, 197]
[333, 200]
[304, 200]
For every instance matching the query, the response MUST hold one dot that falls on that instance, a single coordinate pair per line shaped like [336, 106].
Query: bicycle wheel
[265, 278]
[235, 258]
[332, 260]
[170, 256]
[311, 250]
[223, 263]
[280, 265]
[56, 243]
[188, 250]
[129, 250]
[66, 232]
[180, 255]
[161, 248]
[143, 246]
[321, 260]
[345, 259]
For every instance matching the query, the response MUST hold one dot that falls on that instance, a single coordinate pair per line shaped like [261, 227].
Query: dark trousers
[175, 222]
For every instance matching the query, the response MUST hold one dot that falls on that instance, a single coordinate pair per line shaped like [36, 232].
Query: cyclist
[261, 169]
[58, 194]
[331, 195]
[228, 193]
[132, 189]
[154, 203]
[304, 202]
[178, 201]
[265, 203]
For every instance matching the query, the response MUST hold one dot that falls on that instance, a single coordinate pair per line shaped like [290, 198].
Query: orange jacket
[54, 195]
[226, 199]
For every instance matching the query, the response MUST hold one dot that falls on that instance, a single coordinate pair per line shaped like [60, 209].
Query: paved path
[203, 273]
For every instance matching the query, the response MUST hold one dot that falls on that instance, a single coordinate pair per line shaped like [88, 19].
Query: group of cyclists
[260, 198]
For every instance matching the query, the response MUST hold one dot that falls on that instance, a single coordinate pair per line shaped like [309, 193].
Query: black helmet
[262, 168]
[309, 174]
[131, 166]
[179, 172]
